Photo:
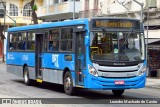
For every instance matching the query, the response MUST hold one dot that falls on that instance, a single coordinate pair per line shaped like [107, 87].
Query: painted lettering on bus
[55, 59]
[10, 56]
[25, 57]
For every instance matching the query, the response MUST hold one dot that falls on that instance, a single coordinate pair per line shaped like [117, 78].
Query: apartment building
[59, 10]
[18, 12]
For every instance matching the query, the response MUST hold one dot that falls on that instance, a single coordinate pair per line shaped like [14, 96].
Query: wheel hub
[68, 83]
[25, 77]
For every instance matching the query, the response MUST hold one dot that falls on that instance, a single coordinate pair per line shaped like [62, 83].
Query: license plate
[119, 82]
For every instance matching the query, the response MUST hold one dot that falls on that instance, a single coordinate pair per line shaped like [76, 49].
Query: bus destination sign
[115, 23]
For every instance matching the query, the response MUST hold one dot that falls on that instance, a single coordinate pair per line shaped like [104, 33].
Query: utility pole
[148, 8]
[73, 9]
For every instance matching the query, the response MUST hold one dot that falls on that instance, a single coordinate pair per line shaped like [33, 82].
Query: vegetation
[34, 14]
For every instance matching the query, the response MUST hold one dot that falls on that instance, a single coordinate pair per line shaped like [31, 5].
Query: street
[12, 86]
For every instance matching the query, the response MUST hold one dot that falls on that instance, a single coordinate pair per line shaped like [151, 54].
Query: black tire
[68, 84]
[117, 92]
[27, 80]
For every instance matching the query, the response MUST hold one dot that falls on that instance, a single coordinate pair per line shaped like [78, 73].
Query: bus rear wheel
[27, 80]
[68, 84]
[117, 92]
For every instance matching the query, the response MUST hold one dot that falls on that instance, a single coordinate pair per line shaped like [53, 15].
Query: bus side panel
[16, 60]
[32, 73]
[54, 65]
[53, 76]
[57, 61]
[20, 58]
[16, 70]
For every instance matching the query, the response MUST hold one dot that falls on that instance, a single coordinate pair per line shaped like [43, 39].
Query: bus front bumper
[109, 83]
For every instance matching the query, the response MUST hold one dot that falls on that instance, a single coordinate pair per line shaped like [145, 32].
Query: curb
[155, 87]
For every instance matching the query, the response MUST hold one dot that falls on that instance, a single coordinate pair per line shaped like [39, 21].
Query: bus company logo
[55, 60]
[25, 57]
[119, 64]
[10, 56]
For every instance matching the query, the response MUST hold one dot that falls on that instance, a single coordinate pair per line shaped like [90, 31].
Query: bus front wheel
[117, 92]
[68, 84]
[27, 80]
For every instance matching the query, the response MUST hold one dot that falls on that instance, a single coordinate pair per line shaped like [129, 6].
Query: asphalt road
[13, 87]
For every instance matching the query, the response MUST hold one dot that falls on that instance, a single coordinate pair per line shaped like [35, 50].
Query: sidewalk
[153, 82]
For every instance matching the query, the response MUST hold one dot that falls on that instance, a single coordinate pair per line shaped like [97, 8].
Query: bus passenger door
[38, 57]
[79, 57]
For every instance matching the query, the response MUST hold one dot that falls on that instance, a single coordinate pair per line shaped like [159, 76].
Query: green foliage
[35, 7]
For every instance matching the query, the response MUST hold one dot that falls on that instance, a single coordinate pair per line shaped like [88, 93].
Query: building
[18, 13]
[110, 8]
[59, 10]
[90, 8]
[18, 10]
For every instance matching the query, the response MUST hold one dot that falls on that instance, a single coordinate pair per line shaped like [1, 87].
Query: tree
[34, 14]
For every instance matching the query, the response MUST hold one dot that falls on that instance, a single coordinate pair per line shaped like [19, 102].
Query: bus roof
[49, 25]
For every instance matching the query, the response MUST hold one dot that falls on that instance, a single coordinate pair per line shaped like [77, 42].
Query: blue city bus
[96, 53]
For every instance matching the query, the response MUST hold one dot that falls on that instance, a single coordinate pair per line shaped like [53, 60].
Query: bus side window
[21, 41]
[23, 45]
[10, 46]
[50, 45]
[54, 40]
[66, 39]
[30, 41]
[13, 41]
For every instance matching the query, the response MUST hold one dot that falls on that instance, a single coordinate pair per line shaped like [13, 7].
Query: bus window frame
[42, 31]
[45, 31]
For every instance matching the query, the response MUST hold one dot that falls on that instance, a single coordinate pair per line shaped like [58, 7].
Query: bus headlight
[92, 71]
[142, 70]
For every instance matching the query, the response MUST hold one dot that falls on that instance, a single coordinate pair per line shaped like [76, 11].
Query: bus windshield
[117, 46]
